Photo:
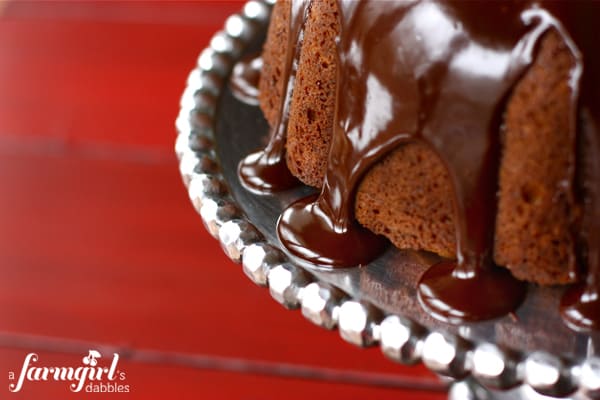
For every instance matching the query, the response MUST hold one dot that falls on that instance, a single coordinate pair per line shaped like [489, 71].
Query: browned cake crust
[536, 206]
[408, 196]
[313, 100]
[271, 80]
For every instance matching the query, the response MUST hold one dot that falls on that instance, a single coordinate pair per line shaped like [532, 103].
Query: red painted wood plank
[188, 12]
[111, 251]
[98, 241]
[96, 81]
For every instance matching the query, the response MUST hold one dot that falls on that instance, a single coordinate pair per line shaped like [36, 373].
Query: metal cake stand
[528, 355]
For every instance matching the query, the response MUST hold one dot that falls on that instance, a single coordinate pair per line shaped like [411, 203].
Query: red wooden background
[99, 246]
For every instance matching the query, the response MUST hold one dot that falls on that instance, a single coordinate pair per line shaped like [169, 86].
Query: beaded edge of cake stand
[400, 339]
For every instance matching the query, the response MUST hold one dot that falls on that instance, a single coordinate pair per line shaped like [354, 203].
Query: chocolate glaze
[440, 73]
[580, 306]
[455, 299]
[266, 171]
[244, 79]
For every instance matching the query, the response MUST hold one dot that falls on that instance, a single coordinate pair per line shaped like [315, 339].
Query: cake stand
[530, 354]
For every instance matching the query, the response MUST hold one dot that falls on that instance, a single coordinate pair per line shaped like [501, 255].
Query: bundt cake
[445, 126]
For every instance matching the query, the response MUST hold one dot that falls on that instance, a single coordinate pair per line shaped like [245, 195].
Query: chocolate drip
[244, 79]
[580, 306]
[307, 230]
[438, 73]
[266, 171]
[443, 289]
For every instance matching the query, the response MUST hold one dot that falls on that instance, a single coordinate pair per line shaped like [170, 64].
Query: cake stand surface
[375, 304]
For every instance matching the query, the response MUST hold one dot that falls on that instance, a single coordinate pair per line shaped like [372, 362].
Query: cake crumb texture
[313, 101]
[407, 197]
[536, 206]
